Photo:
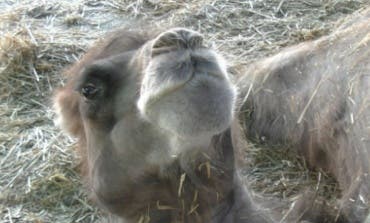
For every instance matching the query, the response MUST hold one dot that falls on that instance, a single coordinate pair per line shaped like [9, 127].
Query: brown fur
[199, 185]
[316, 97]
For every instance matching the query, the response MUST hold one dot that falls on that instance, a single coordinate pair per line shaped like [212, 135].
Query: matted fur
[316, 97]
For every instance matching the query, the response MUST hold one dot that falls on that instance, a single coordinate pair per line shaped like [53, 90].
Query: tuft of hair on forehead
[176, 38]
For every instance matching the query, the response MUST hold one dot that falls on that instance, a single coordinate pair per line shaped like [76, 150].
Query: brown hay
[38, 182]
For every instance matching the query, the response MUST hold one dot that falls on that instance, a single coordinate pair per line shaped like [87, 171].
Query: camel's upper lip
[163, 76]
[151, 96]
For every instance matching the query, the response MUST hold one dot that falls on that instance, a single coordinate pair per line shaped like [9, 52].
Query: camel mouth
[201, 105]
[156, 94]
[190, 70]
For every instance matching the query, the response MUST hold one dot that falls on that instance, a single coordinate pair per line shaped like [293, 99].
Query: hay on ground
[38, 180]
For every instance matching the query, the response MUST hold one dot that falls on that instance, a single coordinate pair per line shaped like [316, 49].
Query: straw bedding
[38, 178]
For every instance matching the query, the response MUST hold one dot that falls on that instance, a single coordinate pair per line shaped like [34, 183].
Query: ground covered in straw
[38, 179]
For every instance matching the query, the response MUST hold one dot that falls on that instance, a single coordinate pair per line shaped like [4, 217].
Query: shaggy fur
[316, 97]
[152, 113]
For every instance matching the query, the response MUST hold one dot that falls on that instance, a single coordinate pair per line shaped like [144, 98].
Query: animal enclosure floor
[38, 178]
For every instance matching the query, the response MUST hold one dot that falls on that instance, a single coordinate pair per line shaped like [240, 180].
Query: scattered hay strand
[38, 181]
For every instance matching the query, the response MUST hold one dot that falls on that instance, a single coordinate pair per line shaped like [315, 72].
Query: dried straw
[38, 181]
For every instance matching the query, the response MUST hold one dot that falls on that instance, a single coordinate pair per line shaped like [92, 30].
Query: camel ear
[66, 107]
[175, 39]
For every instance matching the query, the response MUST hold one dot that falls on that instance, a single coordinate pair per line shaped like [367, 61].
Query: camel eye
[89, 91]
